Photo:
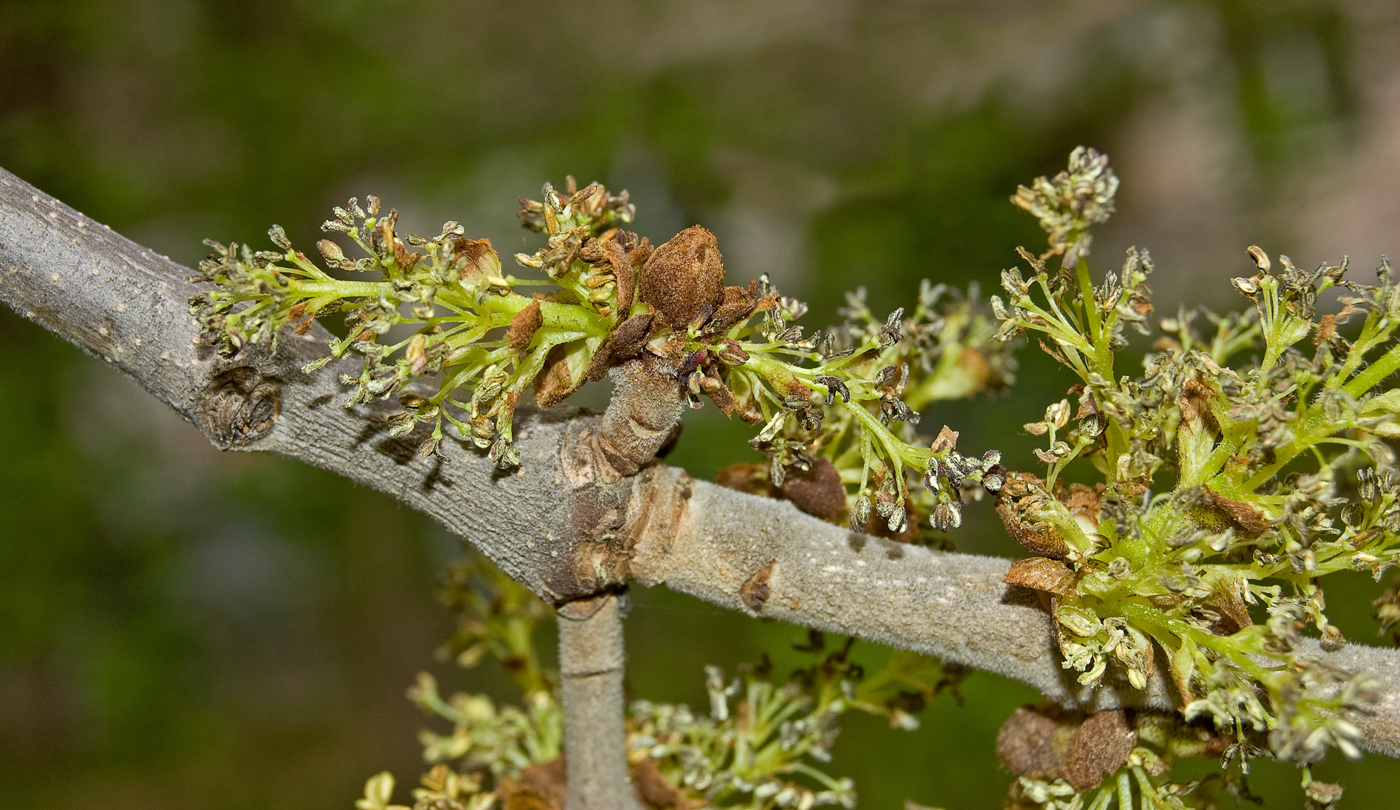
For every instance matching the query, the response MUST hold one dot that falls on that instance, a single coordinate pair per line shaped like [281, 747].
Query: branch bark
[590, 672]
[561, 525]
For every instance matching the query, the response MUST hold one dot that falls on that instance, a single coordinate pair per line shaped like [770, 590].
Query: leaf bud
[683, 276]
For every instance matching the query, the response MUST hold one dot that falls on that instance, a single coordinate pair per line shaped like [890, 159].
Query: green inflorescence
[443, 328]
[849, 398]
[1235, 471]
[763, 742]
[449, 289]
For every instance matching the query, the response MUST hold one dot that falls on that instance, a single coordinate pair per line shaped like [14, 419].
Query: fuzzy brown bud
[683, 276]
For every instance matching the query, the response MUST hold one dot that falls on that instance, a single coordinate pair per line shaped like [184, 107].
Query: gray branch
[560, 524]
[590, 688]
[766, 558]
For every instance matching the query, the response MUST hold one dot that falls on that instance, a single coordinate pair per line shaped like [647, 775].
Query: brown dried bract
[1046, 742]
[626, 341]
[947, 439]
[1326, 328]
[1227, 597]
[476, 256]
[1247, 520]
[626, 276]
[746, 476]
[736, 305]
[523, 326]
[1016, 497]
[719, 393]
[1023, 492]
[1195, 401]
[541, 787]
[1026, 742]
[612, 250]
[298, 318]
[1083, 501]
[1042, 574]
[653, 789]
[557, 380]
[683, 276]
[980, 373]
[818, 491]
[1099, 747]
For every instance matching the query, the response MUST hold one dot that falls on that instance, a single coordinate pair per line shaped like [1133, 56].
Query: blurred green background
[181, 628]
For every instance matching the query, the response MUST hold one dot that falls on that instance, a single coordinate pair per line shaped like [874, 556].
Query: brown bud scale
[683, 276]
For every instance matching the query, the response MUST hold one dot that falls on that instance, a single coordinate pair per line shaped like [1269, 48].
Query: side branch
[590, 672]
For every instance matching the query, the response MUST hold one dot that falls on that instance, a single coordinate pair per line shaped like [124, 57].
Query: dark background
[180, 628]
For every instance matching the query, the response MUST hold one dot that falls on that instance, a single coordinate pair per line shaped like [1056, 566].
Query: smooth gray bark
[557, 524]
[590, 689]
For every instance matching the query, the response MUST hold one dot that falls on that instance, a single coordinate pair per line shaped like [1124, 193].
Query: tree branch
[558, 524]
[766, 558]
[124, 304]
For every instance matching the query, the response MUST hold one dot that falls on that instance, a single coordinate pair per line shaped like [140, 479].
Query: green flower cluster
[444, 329]
[1247, 460]
[1275, 466]
[761, 745]
[478, 341]
[841, 406]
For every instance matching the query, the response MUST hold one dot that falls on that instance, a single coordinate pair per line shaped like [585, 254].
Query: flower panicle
[1245, 462]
